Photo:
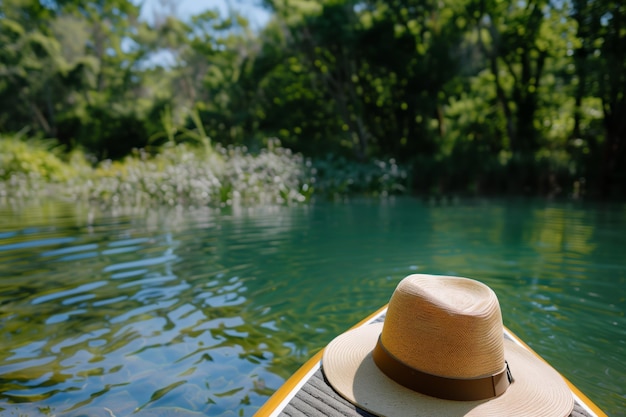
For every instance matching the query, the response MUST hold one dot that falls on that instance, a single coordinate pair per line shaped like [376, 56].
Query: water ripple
[60, 294]
[209, 312]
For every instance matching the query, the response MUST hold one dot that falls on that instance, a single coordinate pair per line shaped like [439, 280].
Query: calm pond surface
[205, 312]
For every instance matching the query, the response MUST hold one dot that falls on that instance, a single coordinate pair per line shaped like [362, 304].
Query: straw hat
[441, 352]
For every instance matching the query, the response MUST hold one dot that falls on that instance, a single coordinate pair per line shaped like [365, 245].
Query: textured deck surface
[317, 398]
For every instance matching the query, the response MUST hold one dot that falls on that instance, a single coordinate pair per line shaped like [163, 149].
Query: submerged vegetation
[186, 175]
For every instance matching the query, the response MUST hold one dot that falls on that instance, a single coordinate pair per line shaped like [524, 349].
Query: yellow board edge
[281, 393]
[582, 397]
[271, 405]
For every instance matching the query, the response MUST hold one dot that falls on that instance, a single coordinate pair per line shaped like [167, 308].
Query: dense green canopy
[475, 96]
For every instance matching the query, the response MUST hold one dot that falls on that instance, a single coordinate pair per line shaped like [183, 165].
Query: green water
[202, 312]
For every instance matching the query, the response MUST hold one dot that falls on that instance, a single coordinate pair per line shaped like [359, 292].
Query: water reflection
[202, 312]
[113, 317]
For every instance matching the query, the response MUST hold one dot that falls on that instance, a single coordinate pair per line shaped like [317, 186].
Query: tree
[381, 102]
[524, 45]
[70, 68]
[510, 37]
[601, 69]
[31, 67]
[412, 53]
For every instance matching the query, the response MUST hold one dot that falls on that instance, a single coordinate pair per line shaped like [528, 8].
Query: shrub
[199, 176]
[339, 176]
[35, 159]
[35, 167]
[187, 175]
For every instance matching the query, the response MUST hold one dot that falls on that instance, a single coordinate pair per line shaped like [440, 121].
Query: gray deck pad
[317, 398]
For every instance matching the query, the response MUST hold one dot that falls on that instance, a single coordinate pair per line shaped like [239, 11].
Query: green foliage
[184, 175]
[37, 160]
[600, 66]
[179, 174]
[191, 175]
[472, 96]
[338, 177]
[34, 168]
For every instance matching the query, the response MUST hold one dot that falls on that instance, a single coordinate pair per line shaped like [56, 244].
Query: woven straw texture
[537, 389]
[450, 327]
[446, 326]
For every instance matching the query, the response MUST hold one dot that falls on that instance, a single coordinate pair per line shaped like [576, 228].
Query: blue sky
[186, 8]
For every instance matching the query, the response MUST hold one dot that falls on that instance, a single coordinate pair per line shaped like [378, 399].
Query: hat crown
[445, 326]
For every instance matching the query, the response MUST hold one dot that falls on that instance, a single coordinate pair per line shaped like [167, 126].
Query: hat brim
[537, 389]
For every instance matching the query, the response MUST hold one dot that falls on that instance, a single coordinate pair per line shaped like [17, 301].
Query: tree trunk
[504, 102]
[612, 168]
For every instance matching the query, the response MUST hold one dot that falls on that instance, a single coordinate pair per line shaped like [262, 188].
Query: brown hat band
[438, 386]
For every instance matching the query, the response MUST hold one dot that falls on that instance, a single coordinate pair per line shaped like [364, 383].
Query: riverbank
[187, 175]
